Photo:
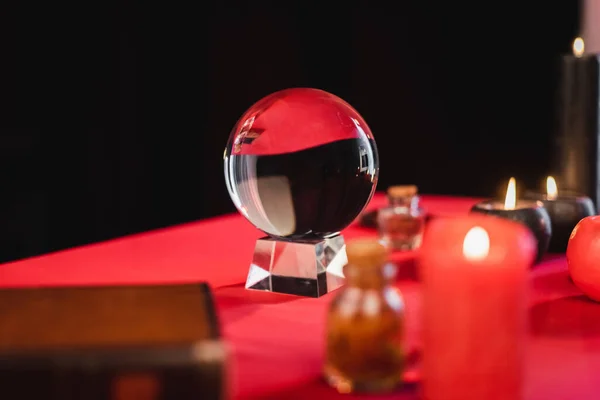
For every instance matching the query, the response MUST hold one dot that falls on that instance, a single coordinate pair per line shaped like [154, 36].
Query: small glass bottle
[365, 324]
[401, 223]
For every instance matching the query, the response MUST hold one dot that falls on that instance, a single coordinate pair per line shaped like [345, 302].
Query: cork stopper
[402, 191]
[366, 253]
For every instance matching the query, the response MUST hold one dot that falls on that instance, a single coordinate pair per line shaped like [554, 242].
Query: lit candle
[474, 276]
[576, 143]
[530, 213]
[565, 209]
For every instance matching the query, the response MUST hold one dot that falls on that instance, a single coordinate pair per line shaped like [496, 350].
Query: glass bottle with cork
[365, 324]
[402, 222]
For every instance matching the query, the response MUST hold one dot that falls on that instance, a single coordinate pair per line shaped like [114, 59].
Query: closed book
[111, 343]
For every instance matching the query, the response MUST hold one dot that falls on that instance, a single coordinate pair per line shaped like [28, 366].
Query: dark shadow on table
[553, 256]
[574, 316]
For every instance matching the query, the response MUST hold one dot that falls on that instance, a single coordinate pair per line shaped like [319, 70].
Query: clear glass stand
[308, 268]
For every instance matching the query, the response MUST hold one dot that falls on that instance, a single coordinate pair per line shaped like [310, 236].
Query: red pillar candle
[474, 274]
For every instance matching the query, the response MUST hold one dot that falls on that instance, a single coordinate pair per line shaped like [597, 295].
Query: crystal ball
[301, 164]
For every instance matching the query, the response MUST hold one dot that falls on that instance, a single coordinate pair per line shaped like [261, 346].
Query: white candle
[590, 25]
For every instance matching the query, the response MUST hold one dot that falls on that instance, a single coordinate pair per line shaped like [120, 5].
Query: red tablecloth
[277, 341]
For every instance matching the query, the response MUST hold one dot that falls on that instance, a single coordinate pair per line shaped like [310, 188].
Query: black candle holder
[532, 214]
[565, 211]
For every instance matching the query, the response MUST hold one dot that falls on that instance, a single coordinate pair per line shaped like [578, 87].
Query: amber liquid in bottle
[365, 324]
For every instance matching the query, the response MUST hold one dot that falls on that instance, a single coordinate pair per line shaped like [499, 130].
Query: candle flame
[476, 245]
[551, 188]
[511, 195]
[578, 47]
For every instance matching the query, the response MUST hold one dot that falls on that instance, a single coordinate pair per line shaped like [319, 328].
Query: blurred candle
[530, 213]
[565, 209]
[590, 27]
[474, 272]
[577, 133]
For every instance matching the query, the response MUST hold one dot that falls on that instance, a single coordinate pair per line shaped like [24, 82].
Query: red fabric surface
[277, 341]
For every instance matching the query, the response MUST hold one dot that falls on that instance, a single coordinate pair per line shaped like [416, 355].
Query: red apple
[583, 253]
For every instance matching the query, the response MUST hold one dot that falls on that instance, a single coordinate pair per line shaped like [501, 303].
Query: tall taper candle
[576, 157]
[590, 28]
[474, 273]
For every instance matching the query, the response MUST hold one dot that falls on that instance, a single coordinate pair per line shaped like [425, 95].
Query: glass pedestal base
[303, 268]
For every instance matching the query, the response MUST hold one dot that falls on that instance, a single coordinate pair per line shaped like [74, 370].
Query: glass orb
[301, 164]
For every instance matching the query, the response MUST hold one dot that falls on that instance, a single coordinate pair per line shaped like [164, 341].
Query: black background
[114, 116]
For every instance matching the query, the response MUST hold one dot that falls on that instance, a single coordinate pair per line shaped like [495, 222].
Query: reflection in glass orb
[301, 164]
